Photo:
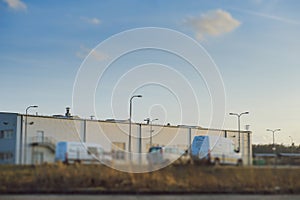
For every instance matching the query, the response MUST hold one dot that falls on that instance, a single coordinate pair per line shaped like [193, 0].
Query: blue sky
[256, 48]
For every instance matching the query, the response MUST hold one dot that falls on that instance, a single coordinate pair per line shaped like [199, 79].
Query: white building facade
[34, 142]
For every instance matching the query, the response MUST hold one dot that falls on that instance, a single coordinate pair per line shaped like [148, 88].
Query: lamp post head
[153, 120]
[32, 106]
[237, 114]
[273, 130]
[139, 96]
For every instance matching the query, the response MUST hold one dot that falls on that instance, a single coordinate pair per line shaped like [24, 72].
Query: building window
[40, 136]
[6, 134]
[118, 150]
[5, 156]
[118, 146]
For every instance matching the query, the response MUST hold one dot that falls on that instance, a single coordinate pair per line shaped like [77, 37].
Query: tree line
[279, 148]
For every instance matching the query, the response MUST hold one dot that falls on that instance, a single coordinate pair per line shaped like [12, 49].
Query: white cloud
[212, 23]
[16, 4]
[84, 51]
[93, 20]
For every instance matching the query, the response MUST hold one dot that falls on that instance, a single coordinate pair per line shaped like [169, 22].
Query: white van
[161, 155]
[71, 152]
[215, 150]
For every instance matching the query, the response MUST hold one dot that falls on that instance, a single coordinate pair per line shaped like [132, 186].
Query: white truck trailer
[71, 152]
[215, 150]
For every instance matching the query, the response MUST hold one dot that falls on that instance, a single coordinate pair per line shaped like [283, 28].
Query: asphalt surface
[150, 197]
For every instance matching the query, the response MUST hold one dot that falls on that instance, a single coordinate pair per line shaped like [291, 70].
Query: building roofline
[124, 122]
[12, 113]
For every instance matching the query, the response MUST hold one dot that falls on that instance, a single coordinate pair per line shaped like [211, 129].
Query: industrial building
[31, 139]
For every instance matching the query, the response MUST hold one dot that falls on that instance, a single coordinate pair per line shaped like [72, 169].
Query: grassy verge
[60, 178]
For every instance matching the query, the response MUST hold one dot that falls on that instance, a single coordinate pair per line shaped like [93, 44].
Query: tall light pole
[239, 126]
[149, 121]
[25, 134]
[130, 115]
[273, 131]
[151, 131]
[274, 149]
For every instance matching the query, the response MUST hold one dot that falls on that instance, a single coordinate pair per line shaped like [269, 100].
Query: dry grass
[190, 178]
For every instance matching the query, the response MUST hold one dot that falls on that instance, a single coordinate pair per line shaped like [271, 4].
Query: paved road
[149, 197]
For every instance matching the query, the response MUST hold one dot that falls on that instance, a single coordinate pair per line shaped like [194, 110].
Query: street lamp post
[130, 115]
[151, 131]
[239, 126]
[25, 134]
[274, 148]
[149, 121]
[273, 131]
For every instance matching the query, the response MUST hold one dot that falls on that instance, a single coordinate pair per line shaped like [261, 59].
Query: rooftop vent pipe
[68, 114]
